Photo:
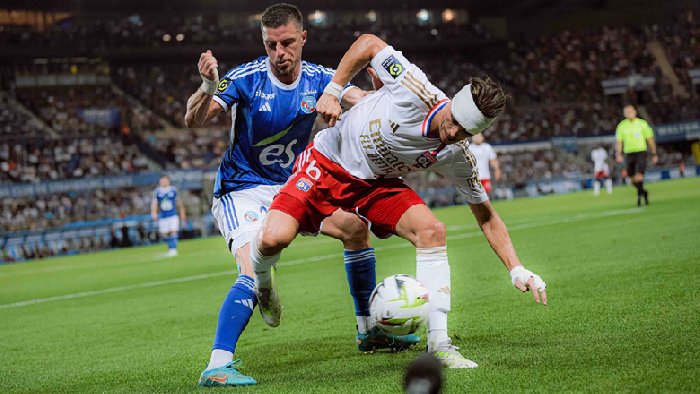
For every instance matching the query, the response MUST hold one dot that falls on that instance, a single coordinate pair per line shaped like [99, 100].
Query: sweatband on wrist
[208, 86]
[333, 89]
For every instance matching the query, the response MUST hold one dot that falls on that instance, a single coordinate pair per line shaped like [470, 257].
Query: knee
[355, 235]
[431, 235]
[271, 242]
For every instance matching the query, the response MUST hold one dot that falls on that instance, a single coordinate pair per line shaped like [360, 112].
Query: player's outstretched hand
[525, 280]
[328, 107]
[208, 66]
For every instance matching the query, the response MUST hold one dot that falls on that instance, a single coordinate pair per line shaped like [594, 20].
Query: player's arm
[497, 234]
[652, 144]
[201, 109]
[618, 144]
[154, 209]
[361, 52]
[496, 169]
[652, 147]
[460, 171]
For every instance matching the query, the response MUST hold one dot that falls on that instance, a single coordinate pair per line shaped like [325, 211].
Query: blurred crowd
[55, 210]
[154, 32]
[34, 160]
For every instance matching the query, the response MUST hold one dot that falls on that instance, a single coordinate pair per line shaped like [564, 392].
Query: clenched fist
[208, 66]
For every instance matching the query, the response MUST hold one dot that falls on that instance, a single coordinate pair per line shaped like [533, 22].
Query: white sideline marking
[306, 260]
[114, 289]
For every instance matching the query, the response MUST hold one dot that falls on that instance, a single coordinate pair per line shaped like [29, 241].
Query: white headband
[467, 114]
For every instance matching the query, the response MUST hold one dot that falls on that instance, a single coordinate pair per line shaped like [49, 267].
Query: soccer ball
[400, 304]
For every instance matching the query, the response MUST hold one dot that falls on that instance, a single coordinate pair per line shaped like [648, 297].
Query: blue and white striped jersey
[166, 198]
[271, 123]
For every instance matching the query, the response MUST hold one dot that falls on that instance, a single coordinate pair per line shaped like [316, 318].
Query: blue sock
[360, 268]
[171, 242]
[235, 313]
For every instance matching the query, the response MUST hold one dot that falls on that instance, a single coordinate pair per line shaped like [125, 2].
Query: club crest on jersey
[393, 66]
[308, 104]
[304, 184]
[223, 84]
[426, 160]
[250, 216]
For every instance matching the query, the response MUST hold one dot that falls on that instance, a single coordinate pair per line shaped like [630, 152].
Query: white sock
[608, 185]
[363, 324]
[596, 187]
[433, 271]
[219, 358]
[262, 265]
[437, 329]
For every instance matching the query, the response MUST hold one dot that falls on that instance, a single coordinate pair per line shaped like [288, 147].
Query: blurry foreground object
[424, 375]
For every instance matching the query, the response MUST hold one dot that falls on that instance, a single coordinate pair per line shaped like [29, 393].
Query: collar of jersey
[277, 82]
[431, 114]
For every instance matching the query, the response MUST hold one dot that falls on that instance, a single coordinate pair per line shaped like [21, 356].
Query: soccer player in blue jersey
[272, 104]
[164, 209]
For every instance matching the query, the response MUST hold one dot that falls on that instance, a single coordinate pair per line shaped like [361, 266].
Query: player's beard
[286, 70]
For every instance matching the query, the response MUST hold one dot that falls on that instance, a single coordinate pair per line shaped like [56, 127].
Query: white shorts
[239, 214]
[169, 225]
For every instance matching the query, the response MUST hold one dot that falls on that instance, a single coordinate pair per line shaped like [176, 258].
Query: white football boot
[450, 357]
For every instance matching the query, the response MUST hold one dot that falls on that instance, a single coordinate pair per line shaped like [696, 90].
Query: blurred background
[93, 93]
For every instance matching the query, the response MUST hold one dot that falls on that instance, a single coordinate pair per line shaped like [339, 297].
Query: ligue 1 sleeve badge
[223, 84]
[308, 104]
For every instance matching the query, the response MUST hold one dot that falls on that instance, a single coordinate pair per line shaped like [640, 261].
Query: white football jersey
[599, 155]
[483, 153]
[385, 134]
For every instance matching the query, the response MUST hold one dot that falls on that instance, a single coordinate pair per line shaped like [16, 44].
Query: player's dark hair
[488, 96]
[280, 14]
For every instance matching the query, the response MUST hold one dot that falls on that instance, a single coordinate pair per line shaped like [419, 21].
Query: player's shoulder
[248, 70]
[313, 69]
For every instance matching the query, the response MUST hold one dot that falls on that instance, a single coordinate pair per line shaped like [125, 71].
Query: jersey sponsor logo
[223, 84]
[250, 216]
[265, 107]
[274, 154]
[393, 66]
[265, 96]
[304, 184]
[308, 104]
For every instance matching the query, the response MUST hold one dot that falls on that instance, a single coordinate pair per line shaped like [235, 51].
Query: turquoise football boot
[228, 375]
[377, 338]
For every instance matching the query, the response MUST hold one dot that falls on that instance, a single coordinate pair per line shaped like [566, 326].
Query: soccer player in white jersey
[407, 125]
[485, 156]
[272, 104]
[601, 169]
[165, 206]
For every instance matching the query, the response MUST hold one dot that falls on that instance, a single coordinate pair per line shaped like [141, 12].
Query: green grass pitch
[623, 314]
